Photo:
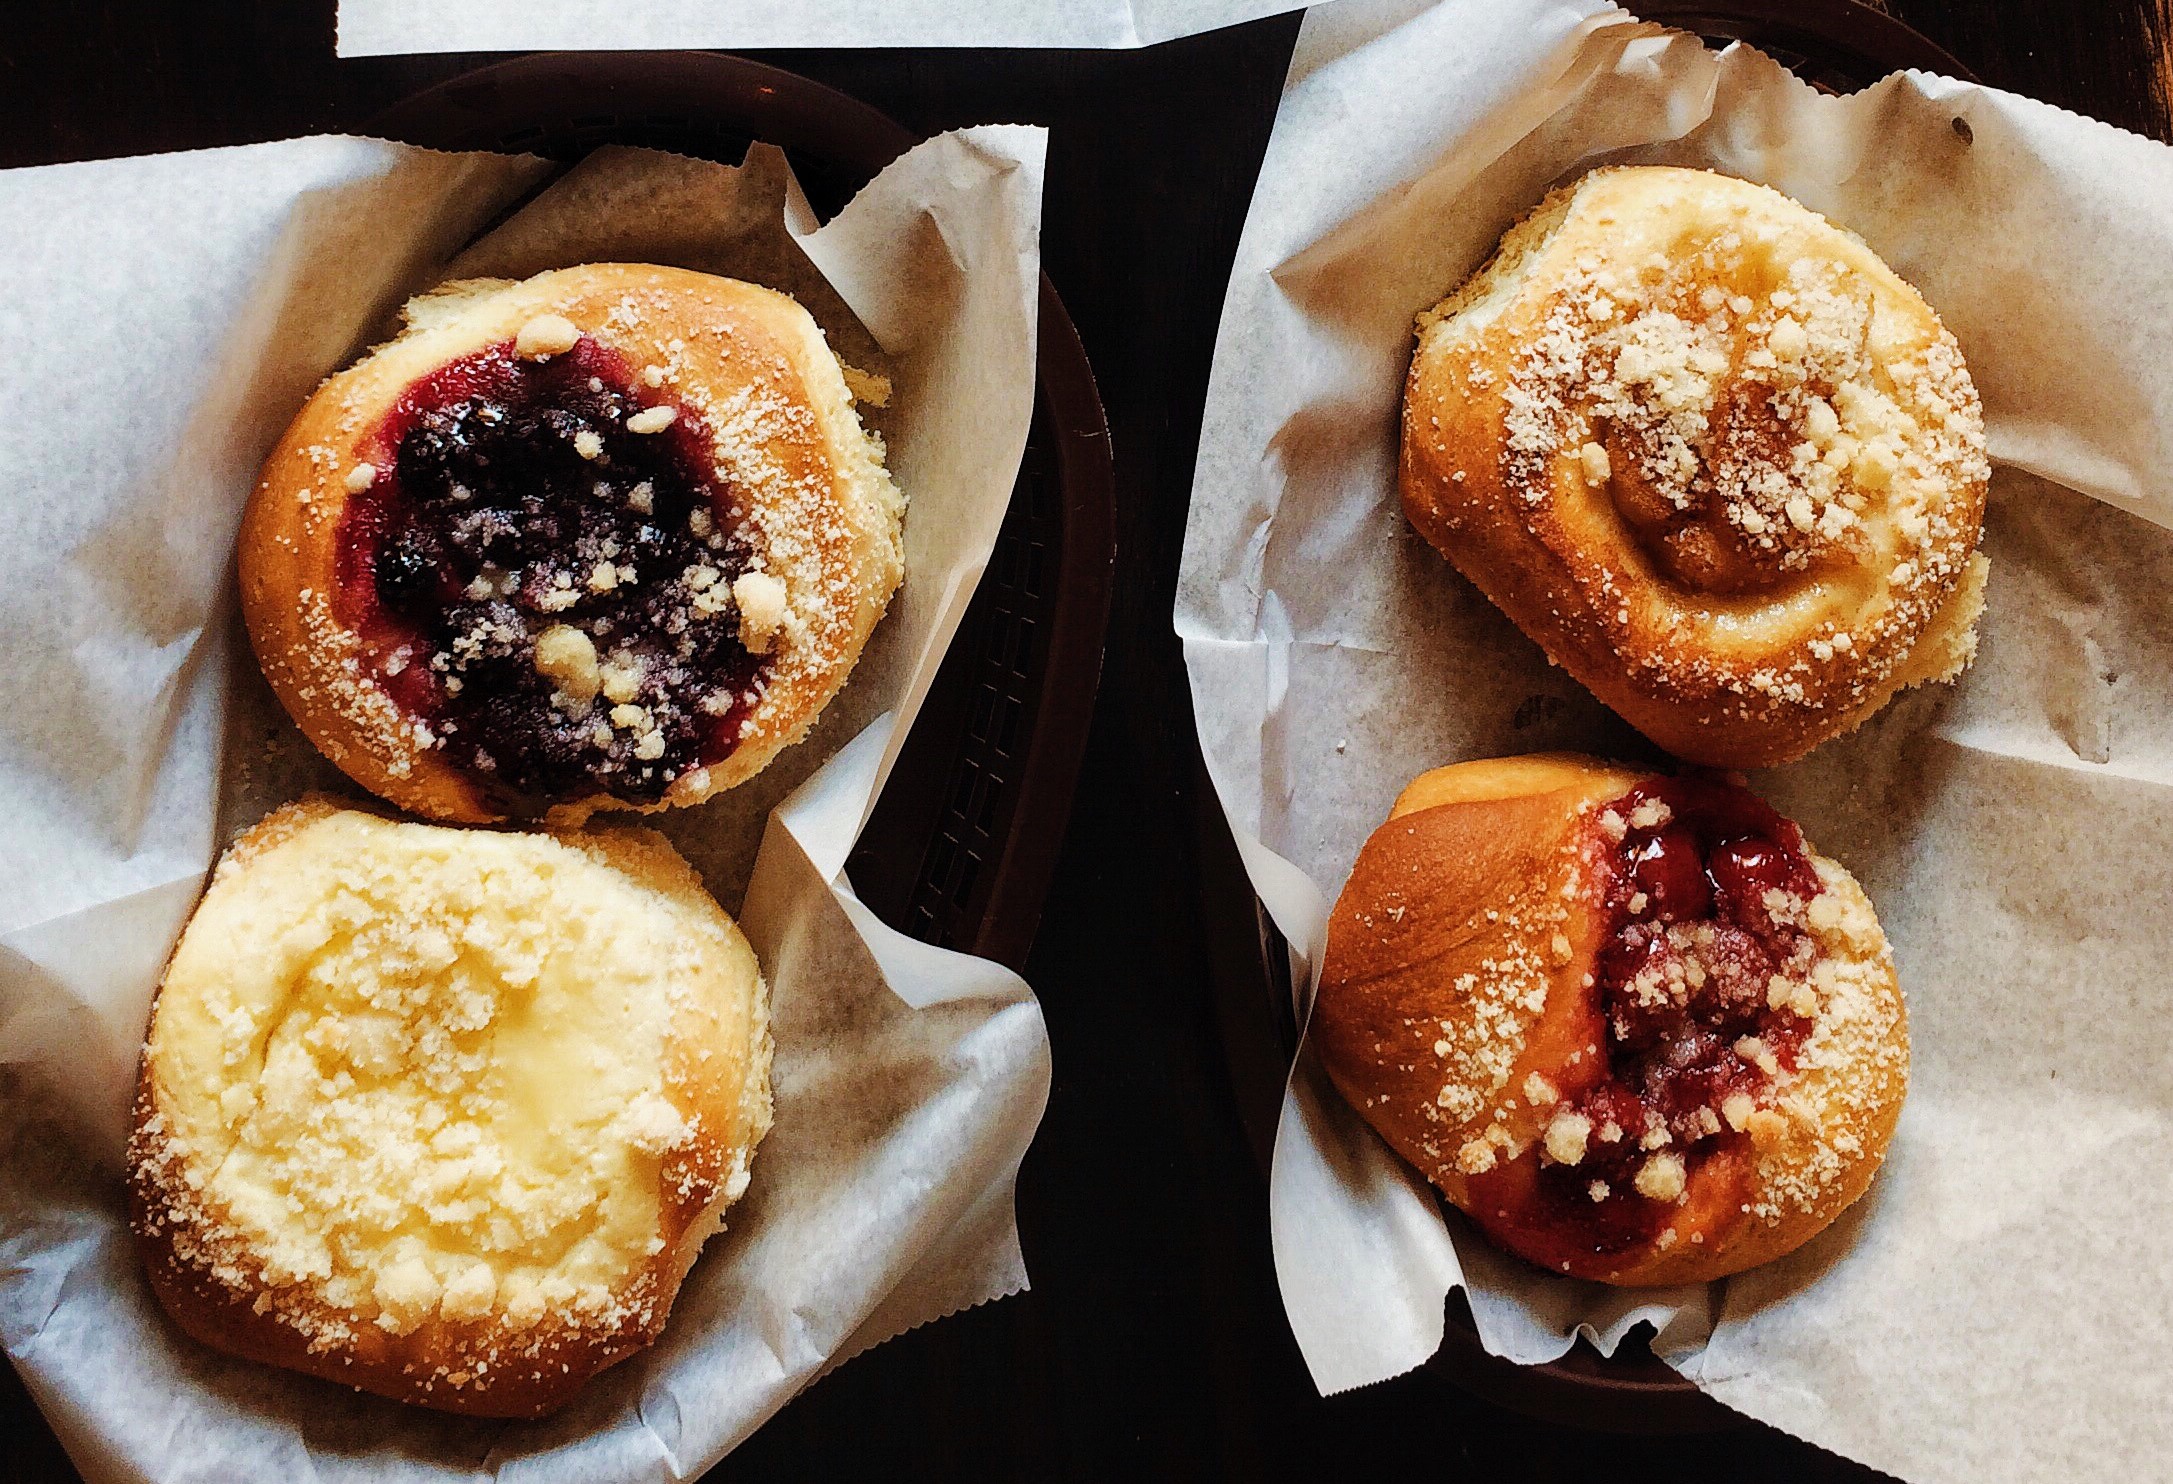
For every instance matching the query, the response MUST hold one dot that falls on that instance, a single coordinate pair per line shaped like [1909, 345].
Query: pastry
[444, 1114]
[609, 537]
[1711, 454]
[1633, 1025]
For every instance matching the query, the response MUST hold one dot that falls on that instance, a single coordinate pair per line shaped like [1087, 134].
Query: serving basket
[962, 842]
[1838, 46]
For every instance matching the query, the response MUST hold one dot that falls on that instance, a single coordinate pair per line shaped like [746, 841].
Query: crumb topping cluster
[394, 1084]
[614, 534]
[1737, 1025]
[1738, 1007]
[1707, 984]
[1759, 413]
[1742, 438]
[567, 597]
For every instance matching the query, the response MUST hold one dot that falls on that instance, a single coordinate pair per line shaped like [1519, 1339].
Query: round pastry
[444, 1114]
[1711, 454]
[1632, 1025]
[610, 537]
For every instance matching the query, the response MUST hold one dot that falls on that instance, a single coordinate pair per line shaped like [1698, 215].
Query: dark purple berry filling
[548, 591]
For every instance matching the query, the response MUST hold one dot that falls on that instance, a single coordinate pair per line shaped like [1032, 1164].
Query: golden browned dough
[1461, 1012]
[807, 487]
[1711, 454]
[443, 1114]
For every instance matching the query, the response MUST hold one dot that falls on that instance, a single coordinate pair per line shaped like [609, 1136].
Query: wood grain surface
[1153, 1344]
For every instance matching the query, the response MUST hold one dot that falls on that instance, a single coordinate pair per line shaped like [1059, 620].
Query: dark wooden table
[1153, 1343]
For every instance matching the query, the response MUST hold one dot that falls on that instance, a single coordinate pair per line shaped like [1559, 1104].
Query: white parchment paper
[369, 28]
[166, 317]
[2000, 1305]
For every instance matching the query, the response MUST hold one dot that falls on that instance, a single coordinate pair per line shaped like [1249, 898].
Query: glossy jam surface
[1706, 892]
[512, 503]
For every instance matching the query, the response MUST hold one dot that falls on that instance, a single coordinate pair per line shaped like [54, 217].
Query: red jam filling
[511, 499]
[1706, 889]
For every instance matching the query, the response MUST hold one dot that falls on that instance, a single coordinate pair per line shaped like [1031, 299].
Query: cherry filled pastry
[611, 537]
[1633, 1025]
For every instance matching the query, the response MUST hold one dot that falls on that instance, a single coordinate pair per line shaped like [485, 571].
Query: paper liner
[1987, 1310]
[166, 317]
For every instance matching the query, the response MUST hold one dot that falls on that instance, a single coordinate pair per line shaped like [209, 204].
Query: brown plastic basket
[1837, 45]
[961, 845]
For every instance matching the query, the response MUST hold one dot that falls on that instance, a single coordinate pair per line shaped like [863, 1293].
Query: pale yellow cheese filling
[422, 1072]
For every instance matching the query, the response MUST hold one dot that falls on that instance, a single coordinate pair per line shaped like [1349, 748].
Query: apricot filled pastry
[1633, 1025]
[611, 537]
[1711, 454]
[444, 1114]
